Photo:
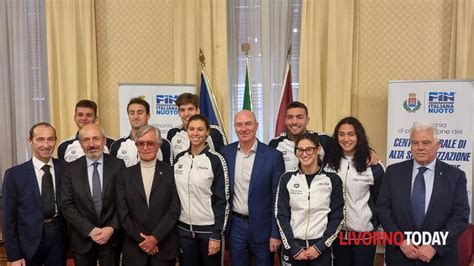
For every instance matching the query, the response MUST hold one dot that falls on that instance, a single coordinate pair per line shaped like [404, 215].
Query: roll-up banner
[448, 104]
[162, 99]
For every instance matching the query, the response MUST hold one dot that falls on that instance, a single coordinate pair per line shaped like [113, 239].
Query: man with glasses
[33, 229]
[138, 111]
[254, 171]
[148, 205]
[88, 201]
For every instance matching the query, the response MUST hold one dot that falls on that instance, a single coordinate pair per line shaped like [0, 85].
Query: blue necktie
[418, 197]
[96, 190]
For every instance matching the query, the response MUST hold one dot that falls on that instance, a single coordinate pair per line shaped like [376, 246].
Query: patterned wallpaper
[135, 45]
[398, 40]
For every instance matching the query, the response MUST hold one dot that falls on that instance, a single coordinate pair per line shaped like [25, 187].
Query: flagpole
[246, 50]
[288, 55]
[202, 59]
[285, 77]
[284, 97]
[287, 68]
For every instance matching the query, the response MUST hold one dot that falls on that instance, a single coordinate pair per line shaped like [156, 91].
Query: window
[269, 27]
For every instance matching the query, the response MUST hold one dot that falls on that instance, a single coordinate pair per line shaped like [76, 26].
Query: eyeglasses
[149, 144]
[309, 151]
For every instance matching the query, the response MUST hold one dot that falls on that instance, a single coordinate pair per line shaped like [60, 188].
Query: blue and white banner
[162, 99]
[448, 104]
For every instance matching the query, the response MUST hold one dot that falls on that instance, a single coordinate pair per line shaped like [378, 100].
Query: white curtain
[23, 77]
[268, 26]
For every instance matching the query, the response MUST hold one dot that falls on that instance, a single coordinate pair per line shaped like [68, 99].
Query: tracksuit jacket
[179, 139]
[312, 214]
[287, 146]
[360, 192]
[203, 188]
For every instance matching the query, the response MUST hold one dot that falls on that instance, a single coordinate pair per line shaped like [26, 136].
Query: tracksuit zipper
[189, 198]
[309, 212]
[344, 190]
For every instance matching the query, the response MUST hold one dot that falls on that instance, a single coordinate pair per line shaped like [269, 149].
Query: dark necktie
[418, 197]
[47, 193]
[96, 190]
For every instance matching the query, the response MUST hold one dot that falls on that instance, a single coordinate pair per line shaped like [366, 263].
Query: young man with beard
[138, 111]
[296, 122]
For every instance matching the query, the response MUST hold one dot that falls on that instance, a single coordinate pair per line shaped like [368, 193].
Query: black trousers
[194, 250]
[324, 258]
[51, 250]
[353, 255]
[106, 254]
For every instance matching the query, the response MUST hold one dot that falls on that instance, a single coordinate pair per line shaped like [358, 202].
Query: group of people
[144, 200]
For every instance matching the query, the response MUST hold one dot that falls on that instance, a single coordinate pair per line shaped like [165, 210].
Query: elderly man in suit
[423, 195]
[254, 171]
[148, 206]
[88, 200]
[32, 227]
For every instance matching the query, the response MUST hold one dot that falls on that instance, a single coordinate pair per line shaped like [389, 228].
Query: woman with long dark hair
[361, 184]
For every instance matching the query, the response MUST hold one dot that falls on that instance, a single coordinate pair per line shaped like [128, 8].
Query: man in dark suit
[32, 228]
[423, 195]
[254, 171]
[88, 200]
[148, 206]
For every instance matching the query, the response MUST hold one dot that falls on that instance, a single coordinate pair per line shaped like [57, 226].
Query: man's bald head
[245, 124]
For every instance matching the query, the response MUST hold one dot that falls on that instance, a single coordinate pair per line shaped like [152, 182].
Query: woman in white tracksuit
[308, 207]
[203, 188]
[361, 185]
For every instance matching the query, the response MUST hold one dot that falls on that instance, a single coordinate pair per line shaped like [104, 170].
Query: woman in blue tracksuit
[308, 207]
[361, 184]
[203, 189]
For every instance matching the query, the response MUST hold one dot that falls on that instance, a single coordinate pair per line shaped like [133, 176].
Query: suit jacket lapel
[257, 166]
[106, 172]
[84, 179]
[137, 180]
[437, 186]
[30, 173]
[405, 190]
[156, 178]
[57, 177]
[231, 166]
